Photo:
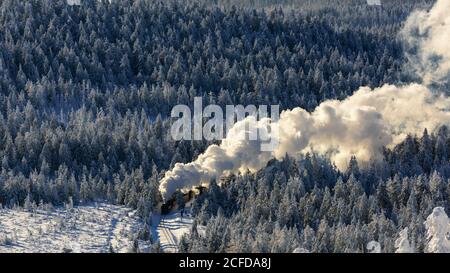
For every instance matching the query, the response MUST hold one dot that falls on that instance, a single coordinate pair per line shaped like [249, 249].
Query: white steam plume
[427, 35]
[360, 125]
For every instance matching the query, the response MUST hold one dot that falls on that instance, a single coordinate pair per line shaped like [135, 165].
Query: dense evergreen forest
[86, 91]
[309, 203]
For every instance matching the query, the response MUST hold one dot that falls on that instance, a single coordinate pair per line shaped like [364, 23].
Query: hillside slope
[93, 228]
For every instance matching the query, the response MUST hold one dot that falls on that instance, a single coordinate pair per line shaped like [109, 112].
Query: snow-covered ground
[92, 228]
[169, 229]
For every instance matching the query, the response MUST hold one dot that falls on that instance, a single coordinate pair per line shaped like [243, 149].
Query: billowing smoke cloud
[427, 35]
[360, 125]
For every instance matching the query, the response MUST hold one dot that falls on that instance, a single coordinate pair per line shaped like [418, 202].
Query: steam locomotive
[171, 204]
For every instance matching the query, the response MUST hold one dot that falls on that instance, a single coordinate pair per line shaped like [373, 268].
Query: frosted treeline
[359, 125]
[85, 91]
[309, 204]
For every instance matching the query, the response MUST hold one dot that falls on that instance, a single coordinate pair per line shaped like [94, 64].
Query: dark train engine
[172, 204]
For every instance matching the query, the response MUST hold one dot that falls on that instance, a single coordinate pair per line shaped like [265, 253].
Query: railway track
[168, 244]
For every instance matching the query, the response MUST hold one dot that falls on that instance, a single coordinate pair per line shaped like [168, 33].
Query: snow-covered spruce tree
[438, 229]
[402, 243]
[373, 247]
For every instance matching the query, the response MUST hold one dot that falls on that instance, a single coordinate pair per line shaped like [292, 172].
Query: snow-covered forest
[86, 92]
